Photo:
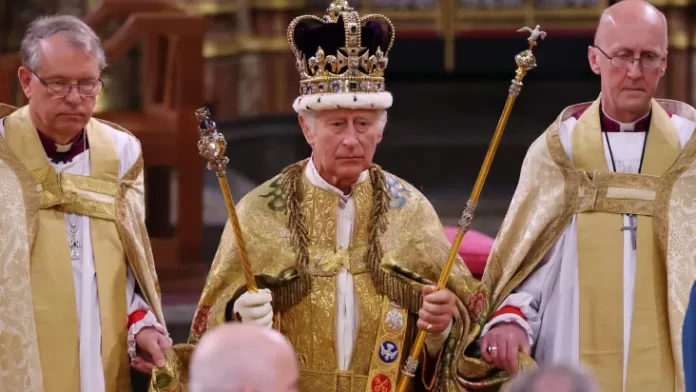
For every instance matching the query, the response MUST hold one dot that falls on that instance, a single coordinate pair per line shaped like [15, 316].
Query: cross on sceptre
[633, 226]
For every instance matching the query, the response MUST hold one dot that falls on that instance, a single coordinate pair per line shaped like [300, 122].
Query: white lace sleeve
[137, 303]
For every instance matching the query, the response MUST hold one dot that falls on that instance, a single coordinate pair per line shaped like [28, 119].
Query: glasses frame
[629, 65]
[57, 95]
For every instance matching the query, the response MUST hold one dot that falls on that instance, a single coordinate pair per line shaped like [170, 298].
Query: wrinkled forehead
[61, 56]
[635, 36]
[345, 114]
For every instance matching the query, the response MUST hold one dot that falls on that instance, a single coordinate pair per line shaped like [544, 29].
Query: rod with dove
[212, 147]
[534, 35]
[525, 61]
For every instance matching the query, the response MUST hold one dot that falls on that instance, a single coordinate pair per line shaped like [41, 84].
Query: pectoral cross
[73, 242]
[633, 226]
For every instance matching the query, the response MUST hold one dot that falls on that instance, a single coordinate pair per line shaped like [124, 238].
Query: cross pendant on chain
[633, 227]
[74, 243]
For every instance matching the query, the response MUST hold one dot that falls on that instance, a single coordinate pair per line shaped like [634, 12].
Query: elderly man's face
[60, 62]
[343, 142]
[629, 89]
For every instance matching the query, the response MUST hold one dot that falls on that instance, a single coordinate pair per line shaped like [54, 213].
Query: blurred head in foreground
[554, 379]
[239, 357]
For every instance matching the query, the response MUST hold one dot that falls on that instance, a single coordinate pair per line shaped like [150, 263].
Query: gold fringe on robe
[414, 248]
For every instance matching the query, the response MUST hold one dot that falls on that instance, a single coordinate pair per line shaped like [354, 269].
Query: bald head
[630, 56]
[627, 14]
[554, 379]
[238, 357]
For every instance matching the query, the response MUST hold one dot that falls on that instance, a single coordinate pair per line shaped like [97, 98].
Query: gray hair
[311, 119]
[580, 379]
[76, 32]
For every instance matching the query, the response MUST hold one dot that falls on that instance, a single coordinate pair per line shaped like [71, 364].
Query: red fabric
[508, 310]
[474, 248]
[136, 316]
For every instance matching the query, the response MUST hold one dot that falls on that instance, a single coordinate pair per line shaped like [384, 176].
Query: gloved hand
[255, 308]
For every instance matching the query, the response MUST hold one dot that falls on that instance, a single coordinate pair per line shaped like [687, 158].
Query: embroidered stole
[604, 197]
[51, 269]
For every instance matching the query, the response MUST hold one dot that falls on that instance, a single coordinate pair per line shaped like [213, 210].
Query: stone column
[280, 79]
[678, 66]
[676, 83]
[249, 66]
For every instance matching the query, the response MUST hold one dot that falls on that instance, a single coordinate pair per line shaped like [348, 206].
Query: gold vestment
[38, 310]
[408, 254]
[552, 189]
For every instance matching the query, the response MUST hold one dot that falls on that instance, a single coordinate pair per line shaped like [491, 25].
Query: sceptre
[525, 61]
[212, 146]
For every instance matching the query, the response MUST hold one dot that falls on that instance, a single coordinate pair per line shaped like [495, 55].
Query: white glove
[255, 308]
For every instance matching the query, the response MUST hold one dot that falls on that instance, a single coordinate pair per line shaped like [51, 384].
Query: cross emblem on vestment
[633, 227]
[73, 242]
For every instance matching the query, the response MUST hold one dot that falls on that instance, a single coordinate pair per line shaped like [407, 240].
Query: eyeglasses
[648, 61]
[60, 88]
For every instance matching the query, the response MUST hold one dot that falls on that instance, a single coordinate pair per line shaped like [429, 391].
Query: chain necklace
[632, 219]
[74, 233]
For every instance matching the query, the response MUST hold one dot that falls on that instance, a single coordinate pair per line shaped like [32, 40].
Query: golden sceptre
[525, 61]
[212, 147]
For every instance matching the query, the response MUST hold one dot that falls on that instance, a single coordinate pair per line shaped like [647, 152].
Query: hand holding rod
[212, 147]
[525, 61]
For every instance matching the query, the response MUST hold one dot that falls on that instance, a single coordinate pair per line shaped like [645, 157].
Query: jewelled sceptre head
[212, 146]
[525, 61]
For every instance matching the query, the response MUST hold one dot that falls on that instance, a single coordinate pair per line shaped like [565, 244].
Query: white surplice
[549, 297]
[348, 310]
[85, 276]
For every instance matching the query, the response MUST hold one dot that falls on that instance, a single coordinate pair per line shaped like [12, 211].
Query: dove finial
[534, 35]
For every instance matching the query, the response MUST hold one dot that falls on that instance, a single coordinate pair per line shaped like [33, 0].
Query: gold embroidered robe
[40, 344]
[552, 189]
[414, 249]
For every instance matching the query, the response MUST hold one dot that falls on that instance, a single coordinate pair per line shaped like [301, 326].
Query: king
[345, 253]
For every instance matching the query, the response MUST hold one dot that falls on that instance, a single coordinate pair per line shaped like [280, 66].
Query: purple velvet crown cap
[310, 34]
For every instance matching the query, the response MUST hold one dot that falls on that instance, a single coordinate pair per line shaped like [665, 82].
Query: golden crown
[342, 52]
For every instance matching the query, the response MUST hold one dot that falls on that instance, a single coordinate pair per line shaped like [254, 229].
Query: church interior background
[449, 72]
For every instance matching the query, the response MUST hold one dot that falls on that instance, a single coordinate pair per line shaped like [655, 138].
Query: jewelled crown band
[341, 59]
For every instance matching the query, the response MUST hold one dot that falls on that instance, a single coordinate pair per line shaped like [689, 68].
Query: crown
[341, 54]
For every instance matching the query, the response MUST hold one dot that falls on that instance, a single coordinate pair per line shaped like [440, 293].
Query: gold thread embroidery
[620, 193]
[388, 348]
[90, 184]
[21, 368]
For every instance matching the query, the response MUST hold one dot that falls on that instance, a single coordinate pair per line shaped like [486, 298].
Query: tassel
[292, 292]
